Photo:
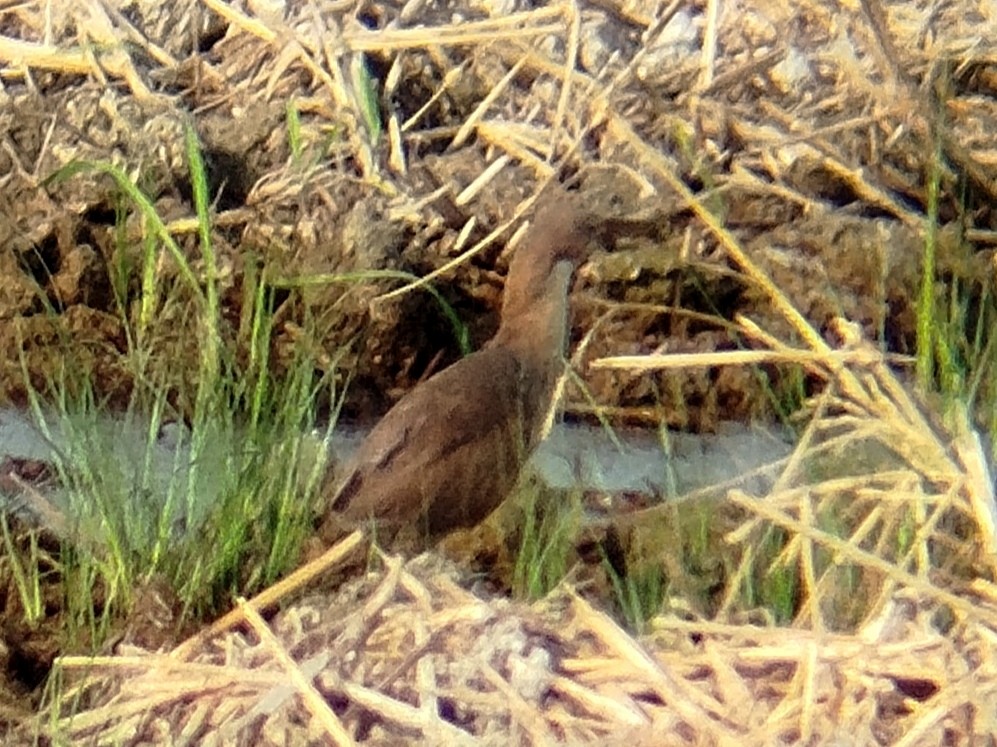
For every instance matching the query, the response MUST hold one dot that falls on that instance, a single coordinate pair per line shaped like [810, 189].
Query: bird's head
[560, 237]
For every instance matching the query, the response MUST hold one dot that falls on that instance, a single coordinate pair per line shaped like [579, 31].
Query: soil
[814, 227]
[813, 137]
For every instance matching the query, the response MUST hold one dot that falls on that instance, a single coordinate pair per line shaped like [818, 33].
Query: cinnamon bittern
[451, 450]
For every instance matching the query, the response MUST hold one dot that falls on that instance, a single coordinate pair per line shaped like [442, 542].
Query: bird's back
[447, 453]
[451, 450]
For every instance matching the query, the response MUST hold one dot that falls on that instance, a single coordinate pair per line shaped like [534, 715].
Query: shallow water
[573, 456]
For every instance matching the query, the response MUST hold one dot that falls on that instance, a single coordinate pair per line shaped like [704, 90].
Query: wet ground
[812, 143]
[641, 462]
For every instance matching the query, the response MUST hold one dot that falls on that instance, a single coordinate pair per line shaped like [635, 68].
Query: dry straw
[407, 654]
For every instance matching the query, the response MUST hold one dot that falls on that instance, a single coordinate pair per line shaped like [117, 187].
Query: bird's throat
[535, 315]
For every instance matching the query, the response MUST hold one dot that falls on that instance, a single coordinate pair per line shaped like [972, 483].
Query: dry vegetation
[784, 154]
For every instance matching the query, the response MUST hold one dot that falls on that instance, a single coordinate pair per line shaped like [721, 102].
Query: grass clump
[548, 533]
[640, 594]
[212, 490]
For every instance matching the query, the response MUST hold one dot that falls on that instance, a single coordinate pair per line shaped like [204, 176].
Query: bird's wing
[466, 402]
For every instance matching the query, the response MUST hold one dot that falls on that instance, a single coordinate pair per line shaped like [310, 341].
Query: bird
[451, 450]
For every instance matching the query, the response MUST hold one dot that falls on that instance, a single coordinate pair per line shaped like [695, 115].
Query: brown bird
[451, 450]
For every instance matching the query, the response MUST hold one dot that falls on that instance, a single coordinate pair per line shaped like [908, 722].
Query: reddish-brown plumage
[451, 450]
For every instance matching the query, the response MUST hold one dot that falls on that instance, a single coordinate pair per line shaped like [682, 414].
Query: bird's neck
[535, 311]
